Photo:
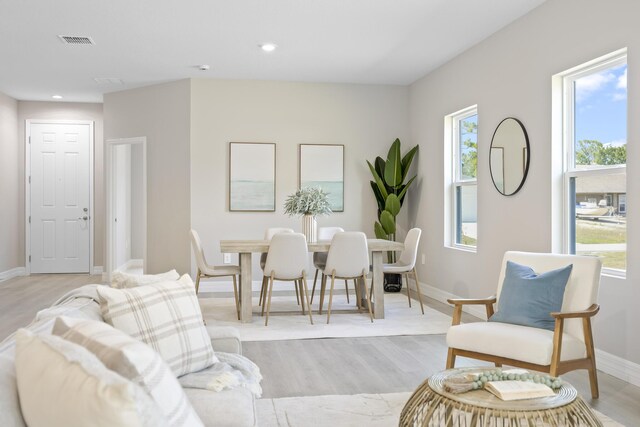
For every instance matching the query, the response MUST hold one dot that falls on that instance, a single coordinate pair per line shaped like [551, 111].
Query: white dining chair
[206, 270]
[287, 260]
[348, 258]
[320, 258]
[268, 235]
[407, 263]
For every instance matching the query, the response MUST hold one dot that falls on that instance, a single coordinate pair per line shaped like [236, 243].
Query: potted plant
[308, 202]
[390, 190]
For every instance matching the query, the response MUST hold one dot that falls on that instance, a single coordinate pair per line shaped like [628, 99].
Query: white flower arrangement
[307, 201]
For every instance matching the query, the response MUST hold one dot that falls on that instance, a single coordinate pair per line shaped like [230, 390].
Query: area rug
[286, 321]
[371, 410]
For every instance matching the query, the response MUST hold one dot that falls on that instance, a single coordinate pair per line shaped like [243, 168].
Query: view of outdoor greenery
[600, 121]
[468, 170]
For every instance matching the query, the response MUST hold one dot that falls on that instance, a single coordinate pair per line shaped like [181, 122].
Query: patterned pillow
[135, 361]
[167, 317]
[62, 384]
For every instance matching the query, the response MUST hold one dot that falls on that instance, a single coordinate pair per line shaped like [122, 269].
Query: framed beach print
[323, 166]
[252, 177]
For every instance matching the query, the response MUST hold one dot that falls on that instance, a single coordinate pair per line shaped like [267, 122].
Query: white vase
[310, 228]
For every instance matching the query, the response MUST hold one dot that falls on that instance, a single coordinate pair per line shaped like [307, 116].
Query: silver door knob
[83, 217]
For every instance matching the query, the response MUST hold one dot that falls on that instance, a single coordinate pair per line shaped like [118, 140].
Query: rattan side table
[431, 406]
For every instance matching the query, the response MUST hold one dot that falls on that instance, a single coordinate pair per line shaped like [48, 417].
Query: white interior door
[60, 198]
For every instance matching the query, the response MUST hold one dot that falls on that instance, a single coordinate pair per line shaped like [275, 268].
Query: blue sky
[601, 106]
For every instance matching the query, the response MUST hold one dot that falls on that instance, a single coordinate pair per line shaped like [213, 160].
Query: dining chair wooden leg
[235, 295]
[333, 280]
[313, 290]
[265, 288]
[266, 320]
[262, 289]
[415, 277]
[297, 293]
[346, 289]
[198, 281]
[299, 289]
[364, 277]
[358, 299]
[355, 286]
[323, 286]
[406, 280]
[306, 295]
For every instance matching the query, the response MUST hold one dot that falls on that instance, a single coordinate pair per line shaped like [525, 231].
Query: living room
[514, 70]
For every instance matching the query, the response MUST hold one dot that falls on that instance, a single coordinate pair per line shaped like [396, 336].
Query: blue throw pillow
[528, 298]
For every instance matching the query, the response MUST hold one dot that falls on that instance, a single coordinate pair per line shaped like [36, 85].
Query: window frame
[456, 182]
[569, 171]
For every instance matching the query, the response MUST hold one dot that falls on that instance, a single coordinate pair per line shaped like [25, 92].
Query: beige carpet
[286, 321]
[371, 410]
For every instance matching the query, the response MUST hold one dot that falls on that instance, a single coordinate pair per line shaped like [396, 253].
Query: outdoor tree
[469, 156]
[592, 152]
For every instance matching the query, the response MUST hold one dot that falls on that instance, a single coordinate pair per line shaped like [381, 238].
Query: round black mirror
[509, 157]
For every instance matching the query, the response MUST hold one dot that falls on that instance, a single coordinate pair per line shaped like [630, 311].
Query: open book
[517, 390]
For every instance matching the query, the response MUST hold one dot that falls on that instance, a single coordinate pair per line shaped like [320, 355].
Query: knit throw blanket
[232, 370]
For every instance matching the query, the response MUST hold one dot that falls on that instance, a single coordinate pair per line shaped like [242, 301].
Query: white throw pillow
[165, 316]
[61, 384]
[135, 361]
[10, 414]
[121, 280]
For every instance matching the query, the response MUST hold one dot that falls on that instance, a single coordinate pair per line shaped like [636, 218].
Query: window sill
[463, 248]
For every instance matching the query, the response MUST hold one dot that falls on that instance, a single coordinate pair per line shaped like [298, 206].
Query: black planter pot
[392, 282]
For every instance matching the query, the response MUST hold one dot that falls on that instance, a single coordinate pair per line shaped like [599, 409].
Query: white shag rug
[371, 410]
[286, 321]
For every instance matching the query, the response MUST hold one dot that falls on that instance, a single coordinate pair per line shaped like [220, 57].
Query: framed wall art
[252, 177]
[322, 165]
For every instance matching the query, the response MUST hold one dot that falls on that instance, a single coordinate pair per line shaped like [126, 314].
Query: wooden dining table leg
[245, 287]
[377, 285]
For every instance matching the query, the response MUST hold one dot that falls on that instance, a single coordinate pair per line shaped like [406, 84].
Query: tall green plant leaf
[379, 198]
[380, 233]
[392, 204]
[406, 161]
[379, 164]
[393, 167]
[388, 222]
[406, 187]
[379, 182]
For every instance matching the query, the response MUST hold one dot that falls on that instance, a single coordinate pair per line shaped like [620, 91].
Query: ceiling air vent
[76, 40]
[108, 81]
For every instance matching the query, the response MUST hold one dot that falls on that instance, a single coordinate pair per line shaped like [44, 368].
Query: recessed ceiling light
[268, 47]
[56, 96]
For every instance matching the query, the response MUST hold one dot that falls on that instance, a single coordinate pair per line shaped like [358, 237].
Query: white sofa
[228, 408]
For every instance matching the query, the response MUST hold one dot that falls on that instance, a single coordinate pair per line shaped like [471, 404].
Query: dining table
[245, 249]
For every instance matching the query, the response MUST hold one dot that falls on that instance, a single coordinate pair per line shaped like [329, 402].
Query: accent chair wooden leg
[333, 280]
[415, 277]
[406, 279]
[266, 320]
[306, 295]
[313, 290]
[451, 359]
[235, 295]
[591, 355]
[364, 277]
[198, 281]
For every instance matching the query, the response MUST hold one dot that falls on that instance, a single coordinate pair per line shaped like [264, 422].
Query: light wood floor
[325, 366]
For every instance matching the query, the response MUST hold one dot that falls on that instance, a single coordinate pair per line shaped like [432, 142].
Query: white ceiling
[145, 42]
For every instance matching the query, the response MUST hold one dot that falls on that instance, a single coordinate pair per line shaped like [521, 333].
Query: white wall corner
[608, 363]
[14, 272]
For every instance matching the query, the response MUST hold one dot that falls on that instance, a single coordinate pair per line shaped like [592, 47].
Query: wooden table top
[248, 246]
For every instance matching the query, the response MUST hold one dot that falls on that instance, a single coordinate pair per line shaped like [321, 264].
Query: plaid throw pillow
[167, 317]
[135, 361]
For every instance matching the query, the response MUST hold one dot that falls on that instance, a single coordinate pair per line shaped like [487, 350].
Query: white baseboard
[606, 362]
[97, 269]
[14, 272]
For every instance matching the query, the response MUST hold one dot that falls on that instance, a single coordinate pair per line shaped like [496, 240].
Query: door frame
[27, 186]
[110, 145]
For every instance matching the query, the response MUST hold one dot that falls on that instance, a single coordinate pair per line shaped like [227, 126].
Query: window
[462, 137]
[595, 146]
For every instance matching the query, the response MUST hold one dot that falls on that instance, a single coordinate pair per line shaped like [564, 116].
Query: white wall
[66, 111]
[365, 118]
[10, 235]
[161, 113]
[509, 74]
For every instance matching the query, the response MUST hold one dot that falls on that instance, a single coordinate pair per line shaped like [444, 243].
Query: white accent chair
[268, 235]
[407, 263]
[567, 348]
[348, 258]
[287, 260]
[320, 258]
[206, 270]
